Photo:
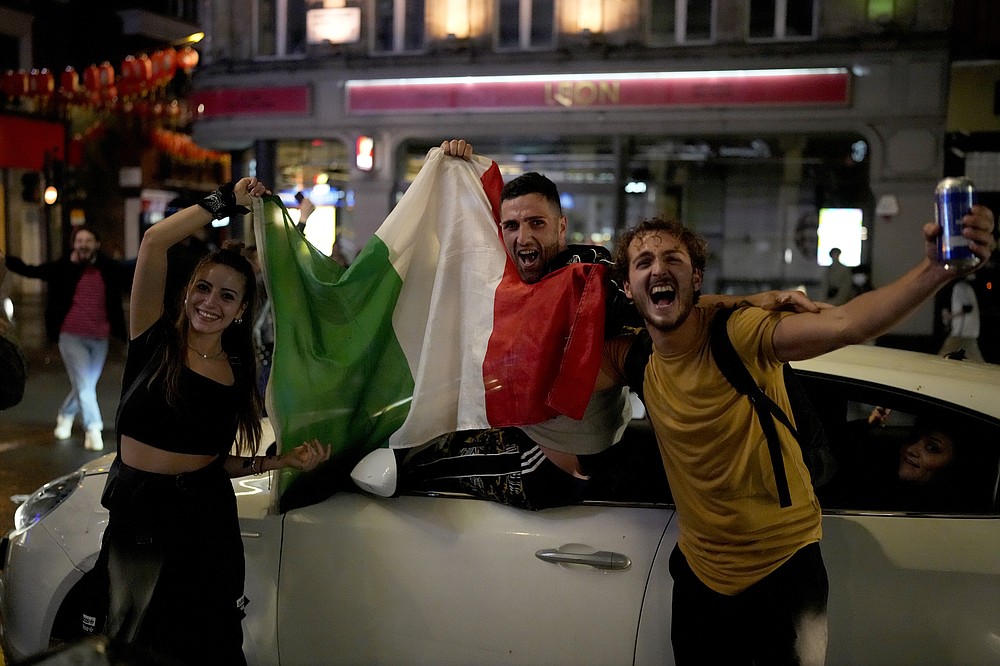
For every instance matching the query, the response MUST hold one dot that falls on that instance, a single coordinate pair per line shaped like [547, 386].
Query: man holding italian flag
[446, 324]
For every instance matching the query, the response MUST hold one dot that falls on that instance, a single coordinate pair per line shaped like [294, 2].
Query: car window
[903, 452]
[631, 471]
[628, 473]
[868, 456]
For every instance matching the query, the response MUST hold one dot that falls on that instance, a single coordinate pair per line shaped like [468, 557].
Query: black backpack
[810, 435]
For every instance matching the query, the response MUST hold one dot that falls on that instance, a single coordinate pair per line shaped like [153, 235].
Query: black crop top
[203, 423]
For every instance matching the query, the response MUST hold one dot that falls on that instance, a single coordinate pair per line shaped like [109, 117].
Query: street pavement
[29, 453]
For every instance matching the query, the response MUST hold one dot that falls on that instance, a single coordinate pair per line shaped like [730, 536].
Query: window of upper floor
[782, 19]
[280, 28]
[398, 26]
[680, 21]
[525, 24]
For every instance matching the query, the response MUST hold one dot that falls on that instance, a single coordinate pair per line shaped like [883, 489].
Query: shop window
[399, 26]
[320, 170]
[782, 19]
[266, 29]
[525, 24]
[680, 21]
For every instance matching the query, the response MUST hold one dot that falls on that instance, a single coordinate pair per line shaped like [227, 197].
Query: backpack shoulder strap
[737, 374]
[736, 371]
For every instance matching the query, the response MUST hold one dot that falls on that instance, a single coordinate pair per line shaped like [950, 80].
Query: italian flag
[430, 330]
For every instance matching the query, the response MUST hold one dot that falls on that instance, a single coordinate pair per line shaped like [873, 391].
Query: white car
[439, 578]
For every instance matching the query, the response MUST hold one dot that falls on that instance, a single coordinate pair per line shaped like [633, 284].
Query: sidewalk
[47, 383]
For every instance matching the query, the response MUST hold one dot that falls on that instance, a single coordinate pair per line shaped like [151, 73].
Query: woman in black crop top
[172, 549]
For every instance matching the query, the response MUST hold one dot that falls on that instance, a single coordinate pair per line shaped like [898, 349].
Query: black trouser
[175, 562]
[778, 620]
[501, 464]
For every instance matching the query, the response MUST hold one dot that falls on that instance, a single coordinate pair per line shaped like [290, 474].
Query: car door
[913, 590]
[447, 580]
[914, 577]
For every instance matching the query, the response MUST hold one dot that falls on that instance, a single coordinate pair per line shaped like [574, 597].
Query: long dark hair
[237, 342]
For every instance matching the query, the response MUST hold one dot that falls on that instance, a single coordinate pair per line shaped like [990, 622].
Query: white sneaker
[92, 441]
[64, 427]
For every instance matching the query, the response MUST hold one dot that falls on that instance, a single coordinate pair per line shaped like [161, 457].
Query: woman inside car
[927, 468]
[172, 548]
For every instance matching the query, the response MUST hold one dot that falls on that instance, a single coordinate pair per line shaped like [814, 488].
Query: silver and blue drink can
[953, 199]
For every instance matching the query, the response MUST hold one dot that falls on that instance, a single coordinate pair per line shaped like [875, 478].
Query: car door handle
[602, 559]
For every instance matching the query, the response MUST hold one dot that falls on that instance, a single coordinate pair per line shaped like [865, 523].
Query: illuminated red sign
[222, 102]
[826, 87]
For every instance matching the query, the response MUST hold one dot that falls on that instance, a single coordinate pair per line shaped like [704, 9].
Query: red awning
[24, 142]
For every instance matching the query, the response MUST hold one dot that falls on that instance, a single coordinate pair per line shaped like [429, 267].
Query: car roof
[969, 384]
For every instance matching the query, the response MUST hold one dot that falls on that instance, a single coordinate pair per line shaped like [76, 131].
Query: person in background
[172, 549]
[306, 209]
[83, 311]
[837, 286]
[749, 582]
[927, 458]
[929, 469]
[962, 321]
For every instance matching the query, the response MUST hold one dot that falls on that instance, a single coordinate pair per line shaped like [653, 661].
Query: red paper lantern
[41, 83]
[92, 79]
[108, 89]
[69, 83]
[169, 63]
[144, 71]
[107, 74]
[15, 83]
[157, 60]
[187, 59]
[129, 68]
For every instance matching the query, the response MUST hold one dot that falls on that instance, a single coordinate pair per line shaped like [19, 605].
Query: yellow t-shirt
[733, 531]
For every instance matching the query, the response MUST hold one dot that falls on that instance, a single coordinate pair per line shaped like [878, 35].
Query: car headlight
[44, 500]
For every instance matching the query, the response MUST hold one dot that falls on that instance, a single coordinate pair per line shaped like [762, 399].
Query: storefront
[750, 156]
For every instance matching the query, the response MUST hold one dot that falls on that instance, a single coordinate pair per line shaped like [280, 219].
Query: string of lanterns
[100, 87]
[137, 89]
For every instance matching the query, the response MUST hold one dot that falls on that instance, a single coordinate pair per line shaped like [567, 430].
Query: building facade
[749, 119]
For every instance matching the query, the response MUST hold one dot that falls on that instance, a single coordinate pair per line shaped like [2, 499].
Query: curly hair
[696, 246]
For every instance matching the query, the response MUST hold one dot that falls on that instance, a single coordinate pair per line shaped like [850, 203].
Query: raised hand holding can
[953, 200]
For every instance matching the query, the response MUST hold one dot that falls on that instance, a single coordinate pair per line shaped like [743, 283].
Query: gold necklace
[207, 356]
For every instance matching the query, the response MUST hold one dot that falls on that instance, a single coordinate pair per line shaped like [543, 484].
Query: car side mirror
[376, 473]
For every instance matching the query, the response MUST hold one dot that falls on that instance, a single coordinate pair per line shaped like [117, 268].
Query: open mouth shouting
[663, 294]
[531, 263]
[529, 259]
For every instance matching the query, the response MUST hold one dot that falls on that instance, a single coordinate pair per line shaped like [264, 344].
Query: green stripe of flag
[338, 374]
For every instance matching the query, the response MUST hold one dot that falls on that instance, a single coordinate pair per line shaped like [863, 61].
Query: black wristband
[222, 203]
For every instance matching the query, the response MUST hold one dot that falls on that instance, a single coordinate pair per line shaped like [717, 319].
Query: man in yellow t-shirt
[749, 581]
